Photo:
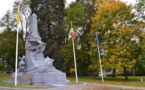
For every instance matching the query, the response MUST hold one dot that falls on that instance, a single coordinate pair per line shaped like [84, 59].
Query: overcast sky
[7, 4]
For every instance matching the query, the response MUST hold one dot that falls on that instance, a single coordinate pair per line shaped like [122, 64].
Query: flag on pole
[18, 15]
[97, 40]
[73, 33]
[17, 22]
[98, 43]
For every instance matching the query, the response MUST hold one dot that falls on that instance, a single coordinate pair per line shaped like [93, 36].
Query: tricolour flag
[18, 16]
[73, 33]
[97, 40]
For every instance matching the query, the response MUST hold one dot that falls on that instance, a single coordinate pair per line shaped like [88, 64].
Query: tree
[7, 20]
[116, 27]
[25, 12]
[75, 14]
[50, 16]
[90, 7]
[140, 8]
[8, 36]
[7, 46]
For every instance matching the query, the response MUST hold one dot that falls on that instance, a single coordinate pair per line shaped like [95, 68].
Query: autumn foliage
[119, 34]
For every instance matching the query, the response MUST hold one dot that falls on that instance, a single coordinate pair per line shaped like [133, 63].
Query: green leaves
[7, 46]
[75, 13]
[50, 15]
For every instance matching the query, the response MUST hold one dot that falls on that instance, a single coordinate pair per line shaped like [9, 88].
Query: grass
[2, 71]
[133, 81]
[119, 80]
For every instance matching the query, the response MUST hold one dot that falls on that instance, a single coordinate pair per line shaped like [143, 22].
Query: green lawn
[133, 81]
[119, 80]
[2, 71]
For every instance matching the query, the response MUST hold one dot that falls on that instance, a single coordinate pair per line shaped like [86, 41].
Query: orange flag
[73, 33]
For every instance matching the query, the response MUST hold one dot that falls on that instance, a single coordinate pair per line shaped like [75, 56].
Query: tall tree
[50, 16]
[25, 12]
[140, 9]
[8, 26]
[90, 8]
[8, 20]
[7, 46]
[75, 14]
[117, 28]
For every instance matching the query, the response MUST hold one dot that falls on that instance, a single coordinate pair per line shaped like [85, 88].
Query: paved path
[96, 86]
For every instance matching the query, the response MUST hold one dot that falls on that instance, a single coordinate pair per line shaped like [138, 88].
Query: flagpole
[75, 61]
[74, 58]
[16, 62]
[100, 59]
[100, 64]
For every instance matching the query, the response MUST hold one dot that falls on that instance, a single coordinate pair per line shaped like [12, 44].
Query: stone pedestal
[49, 78]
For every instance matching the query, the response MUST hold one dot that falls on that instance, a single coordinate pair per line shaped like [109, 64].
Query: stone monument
[36, 69]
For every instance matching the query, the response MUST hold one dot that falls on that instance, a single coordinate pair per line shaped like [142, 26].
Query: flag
[18, 16]
[72, 33]
[97, 40]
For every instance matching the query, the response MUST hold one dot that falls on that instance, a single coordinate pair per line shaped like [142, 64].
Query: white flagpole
[100, 61]
[100, 64]
[75, 61]
[16, 62]
[74, 58]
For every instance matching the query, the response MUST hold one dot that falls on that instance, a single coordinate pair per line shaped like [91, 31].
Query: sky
[7, 4]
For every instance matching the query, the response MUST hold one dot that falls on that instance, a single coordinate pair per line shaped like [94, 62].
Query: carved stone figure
[37, 70]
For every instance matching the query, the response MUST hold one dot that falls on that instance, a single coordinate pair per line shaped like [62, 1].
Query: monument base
[49, 78]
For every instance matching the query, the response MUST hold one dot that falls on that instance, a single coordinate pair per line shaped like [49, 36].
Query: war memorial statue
[34, 68]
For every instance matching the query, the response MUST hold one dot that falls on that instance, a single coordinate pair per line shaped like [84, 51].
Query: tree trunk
[125, 73]
[114, 73]
[133, 71]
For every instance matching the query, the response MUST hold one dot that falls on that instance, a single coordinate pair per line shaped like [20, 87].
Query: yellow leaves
[111, 21]
[120, 57]
[119, 63]
[120, 71]
[93, 44]
[108, 9]
[133, 61]
[72, 70]
[112, 58]
[123, 51]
